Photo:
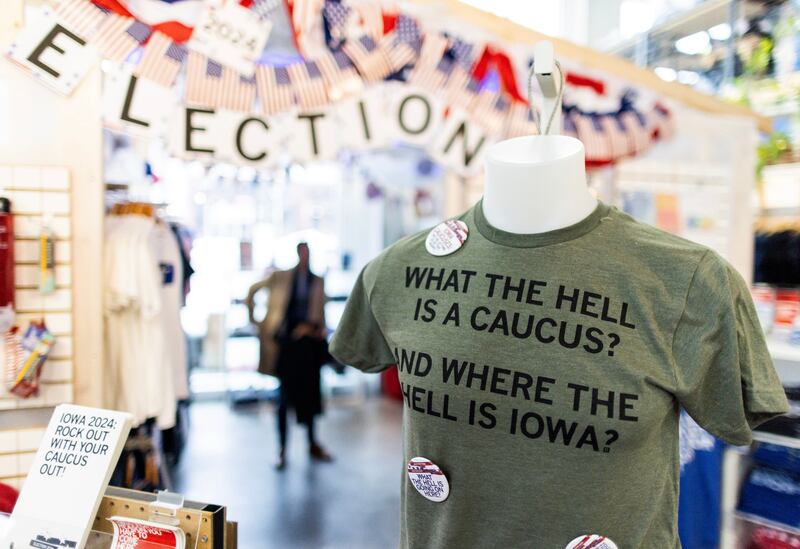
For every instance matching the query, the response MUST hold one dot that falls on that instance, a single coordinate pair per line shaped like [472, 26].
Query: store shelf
[764, 522]
[784, 351]
[780, 440]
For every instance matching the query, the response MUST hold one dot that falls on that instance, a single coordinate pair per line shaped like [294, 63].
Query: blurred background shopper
[293, 345]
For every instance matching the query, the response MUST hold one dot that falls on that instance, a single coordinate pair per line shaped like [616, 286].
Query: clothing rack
[147, 209]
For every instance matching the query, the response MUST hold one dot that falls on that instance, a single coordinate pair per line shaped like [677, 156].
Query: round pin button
[591, 541]
[428, 479]
[447, 237]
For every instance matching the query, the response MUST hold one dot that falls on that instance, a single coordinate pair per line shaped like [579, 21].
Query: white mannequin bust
[536, 184]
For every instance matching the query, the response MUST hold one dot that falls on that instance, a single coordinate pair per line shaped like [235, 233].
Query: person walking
[293, 346]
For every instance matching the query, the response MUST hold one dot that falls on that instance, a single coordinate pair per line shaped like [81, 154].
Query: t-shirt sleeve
[725, 377]
[358, 339]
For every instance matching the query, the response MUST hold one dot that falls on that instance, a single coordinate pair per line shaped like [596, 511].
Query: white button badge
[428, 479]
[592, 541]
[447, 237]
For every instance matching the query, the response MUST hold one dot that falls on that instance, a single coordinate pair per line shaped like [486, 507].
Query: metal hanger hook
[537, 119]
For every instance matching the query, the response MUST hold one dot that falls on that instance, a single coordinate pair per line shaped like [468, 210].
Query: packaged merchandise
[773, 495]
[787, 306]
[764, 300]
[139, 534]
[769, 538]
[778, 457]
[25, 356]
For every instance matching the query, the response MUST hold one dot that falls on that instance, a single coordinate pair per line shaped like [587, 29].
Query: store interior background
[245, 222]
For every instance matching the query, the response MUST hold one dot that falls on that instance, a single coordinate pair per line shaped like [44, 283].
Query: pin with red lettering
[591, 541]
[428, 479]
[447, 237]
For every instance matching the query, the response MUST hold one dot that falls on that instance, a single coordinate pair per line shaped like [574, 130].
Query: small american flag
[371, 17]
[370, 59]
[335, 15]
[621, 145]
[264, 8]
[236, 92]
[305, 17]
[202, 80]
[636, 129]
[80, 16]
[490, 110]
[275, 89]
[463, 53]
[520, 121]
[162, 60]
[461, 88]
[309, 86]
[209, 84]
[118, 36]
[432, 69]
[403, 44]
[590, 132]
[339, 74]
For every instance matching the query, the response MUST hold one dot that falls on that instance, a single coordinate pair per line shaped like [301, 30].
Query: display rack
[205, 525]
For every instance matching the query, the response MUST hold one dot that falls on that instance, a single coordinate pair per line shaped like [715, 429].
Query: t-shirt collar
[535, 240]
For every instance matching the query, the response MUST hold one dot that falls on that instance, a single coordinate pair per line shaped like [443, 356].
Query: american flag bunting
[461, 89]
[618, 140]
[80, 16]
[304, 19]
[462, 53]
[162, 60]
[595, 142]
[339, 74]
[370, 18]
[335, 15]
[636, 129]
[202, 76]
[275, 89]
[210, 84]
[431, 69]
[520, 121]
[569, 128]
[236, 91]
[265, 8]
[369, 58]
[490, 110]
[403, 44]
[661, 120]
[309, 86]
[118, 36]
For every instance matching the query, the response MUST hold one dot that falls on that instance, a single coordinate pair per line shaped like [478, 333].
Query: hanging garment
[701, 486]
[137, 379]
[542, 376]
[170, 262]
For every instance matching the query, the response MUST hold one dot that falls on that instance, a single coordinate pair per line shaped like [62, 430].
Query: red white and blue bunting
[195, 72]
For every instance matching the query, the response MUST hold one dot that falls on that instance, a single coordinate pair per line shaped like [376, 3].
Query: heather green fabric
[544, 375]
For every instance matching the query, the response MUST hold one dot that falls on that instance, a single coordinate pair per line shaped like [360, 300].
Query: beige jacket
[279, 285]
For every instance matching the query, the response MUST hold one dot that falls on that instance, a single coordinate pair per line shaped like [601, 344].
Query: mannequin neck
[536, 184]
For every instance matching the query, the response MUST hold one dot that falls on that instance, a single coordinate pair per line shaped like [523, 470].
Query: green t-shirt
[544, 375]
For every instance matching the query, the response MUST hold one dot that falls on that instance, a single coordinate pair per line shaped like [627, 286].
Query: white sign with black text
[231, 35]
[70, 472]
[52, 53]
